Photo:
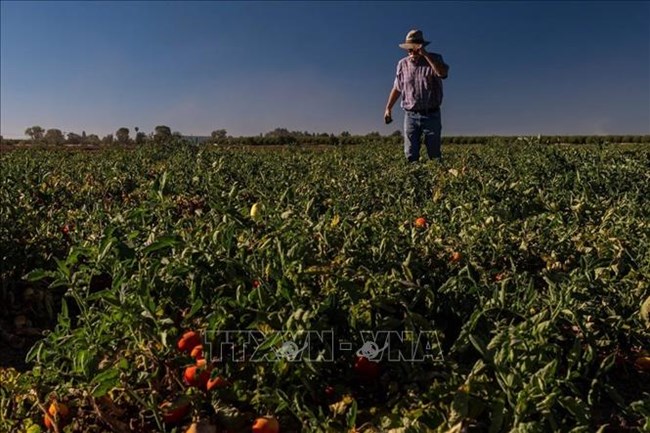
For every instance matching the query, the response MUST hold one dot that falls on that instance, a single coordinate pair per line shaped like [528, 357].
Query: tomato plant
[513, 276]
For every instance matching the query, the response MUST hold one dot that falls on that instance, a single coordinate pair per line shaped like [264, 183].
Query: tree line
[55, 137]
[281, 136]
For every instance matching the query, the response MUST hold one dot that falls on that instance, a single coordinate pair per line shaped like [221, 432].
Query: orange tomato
[189, 341]
[266, 424]
[202, 427]
[456, 257]
[196, 376]
[57, 411]
[420, 223]
[216, 382]
[642, 363]
[197, 352]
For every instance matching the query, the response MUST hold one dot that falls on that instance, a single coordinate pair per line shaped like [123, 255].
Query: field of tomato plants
[517, 276]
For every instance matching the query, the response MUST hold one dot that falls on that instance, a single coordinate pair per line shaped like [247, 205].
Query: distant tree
[84, 139]
[122, 135]
[35, 133]
[162, 133]
[278, 132]
[108, 140]
[93, 140]
[54, 137]
[73, 138]
[177, 134]
[345, 134]
[140, 138]
[396, 133]
[219, 135]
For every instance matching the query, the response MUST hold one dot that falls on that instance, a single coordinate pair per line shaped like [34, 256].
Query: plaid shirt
[421, 89]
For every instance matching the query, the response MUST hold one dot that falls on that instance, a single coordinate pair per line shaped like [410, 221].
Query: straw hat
[414, 39]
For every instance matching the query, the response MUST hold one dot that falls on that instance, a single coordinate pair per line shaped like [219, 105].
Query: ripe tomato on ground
[197, 375]
[57, 412]
[266, 424]
[189, 341]
[366, 368]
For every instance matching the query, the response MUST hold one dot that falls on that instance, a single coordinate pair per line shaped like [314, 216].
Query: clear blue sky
[515, 67]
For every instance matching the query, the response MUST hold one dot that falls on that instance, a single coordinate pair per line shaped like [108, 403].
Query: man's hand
[439, 68]
[387, 116]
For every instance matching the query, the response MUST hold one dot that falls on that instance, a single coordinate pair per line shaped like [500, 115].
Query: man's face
[414, 53]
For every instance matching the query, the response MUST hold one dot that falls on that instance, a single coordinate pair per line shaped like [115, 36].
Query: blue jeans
[415, 125]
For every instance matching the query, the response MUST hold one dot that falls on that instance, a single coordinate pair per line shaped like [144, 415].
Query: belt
[425, 111]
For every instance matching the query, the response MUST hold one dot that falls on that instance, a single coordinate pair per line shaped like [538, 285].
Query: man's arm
[392, 98]
[394, 95]
[439, 67]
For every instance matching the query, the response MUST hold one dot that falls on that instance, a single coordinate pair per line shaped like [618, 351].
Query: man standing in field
[419, 82]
